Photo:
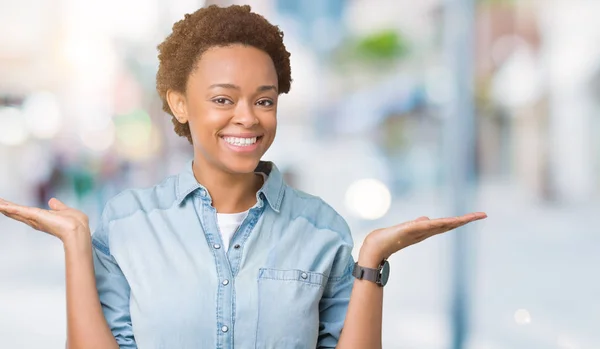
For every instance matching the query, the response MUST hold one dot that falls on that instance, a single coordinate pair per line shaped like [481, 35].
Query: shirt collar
[272, 189]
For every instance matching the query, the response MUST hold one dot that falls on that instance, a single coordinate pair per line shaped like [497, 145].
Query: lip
[241, 135]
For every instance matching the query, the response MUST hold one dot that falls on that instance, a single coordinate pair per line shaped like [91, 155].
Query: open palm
[60, 220]
[392, 239]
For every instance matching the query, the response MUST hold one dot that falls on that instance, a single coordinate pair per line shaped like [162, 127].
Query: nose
[245, 116]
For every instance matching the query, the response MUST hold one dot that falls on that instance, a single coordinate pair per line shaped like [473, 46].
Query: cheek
[270, 127]
[269, 122]
[206, 123]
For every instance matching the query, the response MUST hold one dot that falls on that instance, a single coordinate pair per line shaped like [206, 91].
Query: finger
[474, 216]
[24, 211]
[442, 225]
[412, 223]
[42, 222]
[21, 219]
[8, 207]
[453, 222]
[470, 217]
[57, 205]
[31, 216]
[423, 227]
[4, 202]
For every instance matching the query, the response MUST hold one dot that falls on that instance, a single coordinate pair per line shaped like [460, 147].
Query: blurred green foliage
[387, 44]
[377, 48]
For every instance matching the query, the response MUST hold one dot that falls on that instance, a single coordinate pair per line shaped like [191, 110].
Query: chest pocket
[288, 308]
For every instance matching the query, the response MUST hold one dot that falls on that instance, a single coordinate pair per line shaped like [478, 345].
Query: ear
[177, 103]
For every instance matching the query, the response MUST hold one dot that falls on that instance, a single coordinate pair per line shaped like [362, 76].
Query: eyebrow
[236, 87]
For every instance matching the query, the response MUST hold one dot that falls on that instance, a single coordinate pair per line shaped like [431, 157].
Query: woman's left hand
[382, 243]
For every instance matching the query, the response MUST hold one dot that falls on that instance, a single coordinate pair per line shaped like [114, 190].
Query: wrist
[369, 256]
[78, 240]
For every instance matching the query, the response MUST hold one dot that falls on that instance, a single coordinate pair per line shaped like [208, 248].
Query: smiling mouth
[242, 142]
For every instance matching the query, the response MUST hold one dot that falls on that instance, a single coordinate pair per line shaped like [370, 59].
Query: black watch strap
[378, 276]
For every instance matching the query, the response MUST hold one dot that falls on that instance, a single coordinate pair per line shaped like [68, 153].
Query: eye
[265, 103]
[222, 101]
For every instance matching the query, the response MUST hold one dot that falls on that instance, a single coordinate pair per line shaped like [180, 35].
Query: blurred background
[398, 109]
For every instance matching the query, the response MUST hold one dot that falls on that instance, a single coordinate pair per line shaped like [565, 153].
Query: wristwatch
[379, 276]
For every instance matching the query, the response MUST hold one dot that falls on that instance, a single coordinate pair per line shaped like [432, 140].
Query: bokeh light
[13, 130]
[368, 199]
[99, 139]
[42, 115]
[135, 135]
[522, 317]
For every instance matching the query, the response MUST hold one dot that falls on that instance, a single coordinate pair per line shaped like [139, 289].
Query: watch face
[385, 273]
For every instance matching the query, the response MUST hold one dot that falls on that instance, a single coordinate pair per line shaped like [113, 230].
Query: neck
[230, 192]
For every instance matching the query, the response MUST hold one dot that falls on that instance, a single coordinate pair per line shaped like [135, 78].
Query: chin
[240, 166]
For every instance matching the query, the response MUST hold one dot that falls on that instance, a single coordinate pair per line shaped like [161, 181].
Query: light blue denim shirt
[165, 280]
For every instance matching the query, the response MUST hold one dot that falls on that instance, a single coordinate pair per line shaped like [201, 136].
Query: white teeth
[240, 142]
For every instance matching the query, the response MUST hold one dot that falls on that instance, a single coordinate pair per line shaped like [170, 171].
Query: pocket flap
[309, 277]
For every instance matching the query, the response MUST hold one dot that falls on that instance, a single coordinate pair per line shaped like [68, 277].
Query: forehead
[236, 64]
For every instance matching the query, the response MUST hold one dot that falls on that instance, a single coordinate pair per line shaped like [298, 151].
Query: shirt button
[202, 192]
[304, 275]
[237, 246]
[224, 329]
[217, 246]
[225, 282]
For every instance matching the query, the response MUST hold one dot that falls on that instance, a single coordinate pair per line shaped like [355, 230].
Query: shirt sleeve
[113, 288]
[336, 296]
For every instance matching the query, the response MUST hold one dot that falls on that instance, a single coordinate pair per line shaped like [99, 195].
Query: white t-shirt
[228, 224]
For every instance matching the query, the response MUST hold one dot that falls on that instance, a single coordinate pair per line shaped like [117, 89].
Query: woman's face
[231, 106]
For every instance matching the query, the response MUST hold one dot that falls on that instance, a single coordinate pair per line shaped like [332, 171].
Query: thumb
[420, 219]
[57, 205]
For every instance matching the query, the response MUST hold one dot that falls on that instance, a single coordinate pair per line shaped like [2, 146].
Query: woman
[223, 254]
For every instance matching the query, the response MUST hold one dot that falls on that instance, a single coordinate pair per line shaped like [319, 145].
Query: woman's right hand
[86, 325]
[60, 220]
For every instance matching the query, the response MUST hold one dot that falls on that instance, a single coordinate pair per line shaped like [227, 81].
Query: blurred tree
[385, 46]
